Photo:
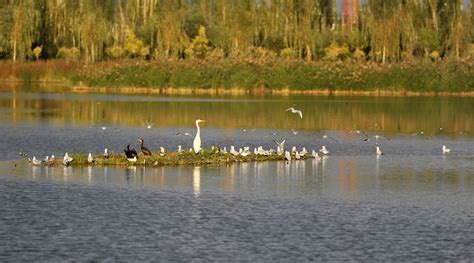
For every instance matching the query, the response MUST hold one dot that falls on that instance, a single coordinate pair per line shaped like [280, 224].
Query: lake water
[412, 203]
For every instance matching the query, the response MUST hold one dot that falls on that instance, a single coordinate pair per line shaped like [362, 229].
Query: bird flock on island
[294, 154]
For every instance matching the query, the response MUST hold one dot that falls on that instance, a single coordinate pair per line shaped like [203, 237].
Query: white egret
[446, 149]
[179, 149]
[287, 156]
[293, 110]
[197, 138]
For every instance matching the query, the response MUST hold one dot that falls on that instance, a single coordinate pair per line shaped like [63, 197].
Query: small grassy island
[206, 156]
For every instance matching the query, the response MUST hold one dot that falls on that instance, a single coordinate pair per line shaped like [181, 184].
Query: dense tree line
[88, 30]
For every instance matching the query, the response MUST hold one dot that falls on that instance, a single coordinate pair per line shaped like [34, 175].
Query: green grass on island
[206, 156]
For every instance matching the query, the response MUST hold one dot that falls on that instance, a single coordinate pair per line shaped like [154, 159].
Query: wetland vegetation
[212, 46]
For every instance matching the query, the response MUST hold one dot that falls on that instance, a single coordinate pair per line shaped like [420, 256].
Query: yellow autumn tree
[199, 47]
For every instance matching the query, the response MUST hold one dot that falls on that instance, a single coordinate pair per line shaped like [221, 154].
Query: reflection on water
[394, 115]
[411, 204]
[343, 208]
[196, 180]
[345, 176]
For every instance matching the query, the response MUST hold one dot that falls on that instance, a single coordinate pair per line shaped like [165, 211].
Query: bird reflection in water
[67, 171]
[36, 170]
[89, 174]
[130, 172]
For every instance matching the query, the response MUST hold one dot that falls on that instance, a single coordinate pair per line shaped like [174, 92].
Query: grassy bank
[336, 76]
[38, 71]
[227, 75]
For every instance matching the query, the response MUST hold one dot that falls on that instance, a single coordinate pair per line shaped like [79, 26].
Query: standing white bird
[162, 151]
[303, 152]
[90, 159]
[446, 149]
[293, 110]
[106, 153]
[35, 161]
[233, 151]
[179, 149]
[287, 156]
[197, 138]
[378, 151]
[323, 150]
[315, 155]
[297, 155]
[293, 150]
[67, 159]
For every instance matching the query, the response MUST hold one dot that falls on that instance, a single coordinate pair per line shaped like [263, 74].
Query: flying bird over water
[329, 137]
[293, 110]
[185, 134]
[148, 123]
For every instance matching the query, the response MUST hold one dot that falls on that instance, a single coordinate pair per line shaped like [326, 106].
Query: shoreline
[235, 91]
[262, 91]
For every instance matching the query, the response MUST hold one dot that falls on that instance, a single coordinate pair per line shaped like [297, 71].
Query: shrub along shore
[226, 76]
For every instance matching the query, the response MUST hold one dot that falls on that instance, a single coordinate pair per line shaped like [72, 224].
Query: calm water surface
[410, 204]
